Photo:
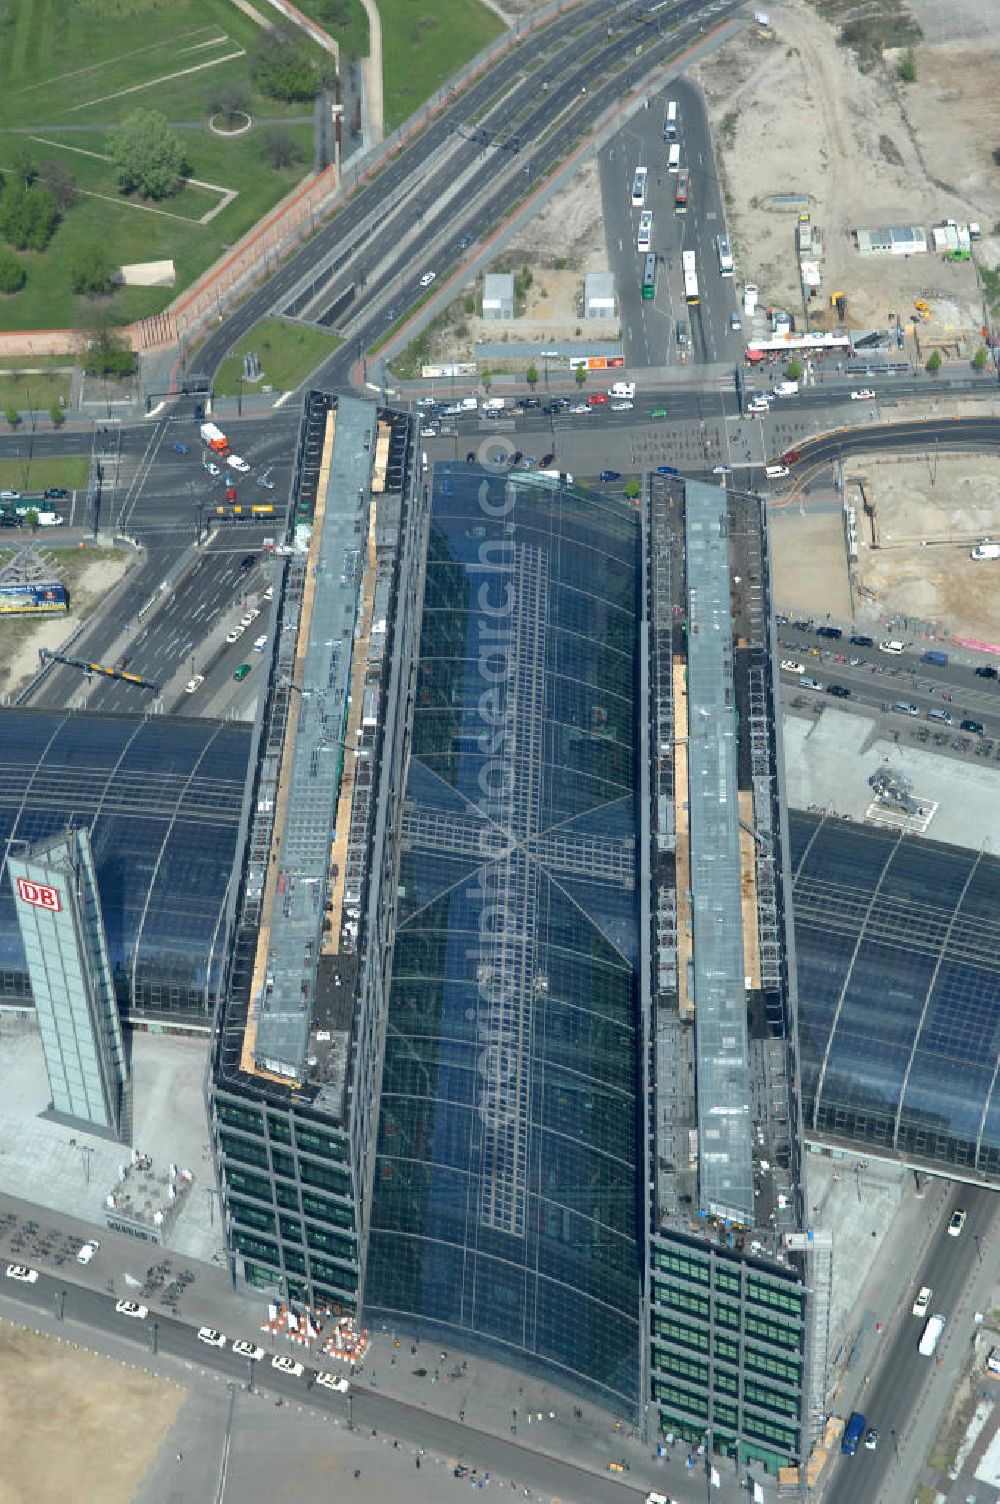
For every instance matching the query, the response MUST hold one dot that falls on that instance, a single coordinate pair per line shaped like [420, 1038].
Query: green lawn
[344, 20]
[68, 470]
[422, 46]
[57, 55]
[38, 391]
[288, 354]
[35, 362]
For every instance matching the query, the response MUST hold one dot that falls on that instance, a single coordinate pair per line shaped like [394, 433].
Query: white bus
[690, 276]
[724, 254]
[645, 230]
[639, 188]
[670, 122]
[931, 1336]
[674, 159]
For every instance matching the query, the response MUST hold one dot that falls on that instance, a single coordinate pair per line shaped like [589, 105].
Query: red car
[598, 399]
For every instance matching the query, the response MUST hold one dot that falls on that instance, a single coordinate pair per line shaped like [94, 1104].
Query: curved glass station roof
[162, 797]
[898, 958]
[505, 1187]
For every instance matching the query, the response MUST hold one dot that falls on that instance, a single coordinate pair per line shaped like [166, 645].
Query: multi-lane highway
[893, 1399]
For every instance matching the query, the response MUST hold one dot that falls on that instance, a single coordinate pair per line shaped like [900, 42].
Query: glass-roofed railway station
[488, 917]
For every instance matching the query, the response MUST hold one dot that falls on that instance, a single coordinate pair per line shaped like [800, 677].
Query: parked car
[735, 322]
[427, 279]
[22, 1273]
[975, 727]
[132, 1308]
[658, 412]
[598, 399]
[211, 1337]
[287, 1365]
[622, 407]
[526, 403]
[265, 481]
[871, 1439]
[238, 463]
[789, 666]
[88, 1251]
[179, 448]
[235, 634]
[834, 633]
[58, 493]
[906, 707]
[260, 643]
[890, 646]
[956, 1224]
[194, 684]
[986, 671]
[839, 691]
[864, 395]
[608, 475]
[863, 642]
[332, 1381]
[212, 469]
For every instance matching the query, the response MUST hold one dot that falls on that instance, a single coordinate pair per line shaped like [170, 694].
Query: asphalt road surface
[903, 1377]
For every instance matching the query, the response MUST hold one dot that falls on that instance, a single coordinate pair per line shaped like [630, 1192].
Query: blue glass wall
[162, 798]
[505, 1187]
[898, 959]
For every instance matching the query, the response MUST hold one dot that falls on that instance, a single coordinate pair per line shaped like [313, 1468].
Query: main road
[908, 1395]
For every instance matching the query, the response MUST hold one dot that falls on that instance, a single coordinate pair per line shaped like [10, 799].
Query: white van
[775, 472]
[890, 646]
[931, 1336]
[493, 405]
[758, 405]
[785, 388]
[622, 389]
[469, 404]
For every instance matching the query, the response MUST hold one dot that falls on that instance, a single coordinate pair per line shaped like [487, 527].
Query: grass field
[60, 60]
[344, 20]
[67, 470]
[38, 391]
[422, 46]
[287, 352]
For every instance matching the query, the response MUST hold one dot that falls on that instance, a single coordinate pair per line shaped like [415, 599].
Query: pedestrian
[180, 1456]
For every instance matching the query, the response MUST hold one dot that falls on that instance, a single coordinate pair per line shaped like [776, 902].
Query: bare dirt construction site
[927, 514]
[75, 1426]
[793, 114]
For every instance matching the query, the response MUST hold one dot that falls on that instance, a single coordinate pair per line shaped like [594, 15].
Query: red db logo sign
[42, 896]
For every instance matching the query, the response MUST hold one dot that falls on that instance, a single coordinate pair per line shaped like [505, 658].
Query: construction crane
[47, 656]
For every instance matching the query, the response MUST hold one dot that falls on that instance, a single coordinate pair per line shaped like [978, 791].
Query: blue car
[179, 448]
[667, 470]
[611, 475]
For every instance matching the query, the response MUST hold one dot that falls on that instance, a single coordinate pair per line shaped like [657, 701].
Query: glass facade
[162, 798]
[728, 1351]
[897, 943]
[505, 1204]
[288, 1199]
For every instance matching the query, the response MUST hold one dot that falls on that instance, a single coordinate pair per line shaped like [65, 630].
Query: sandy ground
[792, 114]
[952, 502]
[89, 578]
[74, 1425]
[809, 564]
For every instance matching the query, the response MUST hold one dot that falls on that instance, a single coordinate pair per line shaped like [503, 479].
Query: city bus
[649, 277]
[639, 188]
[645, 231]
[681, 191]
[690, 276]
[670, 122]
[674, 159]
[724, 254]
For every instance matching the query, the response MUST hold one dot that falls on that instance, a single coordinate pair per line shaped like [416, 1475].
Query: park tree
[28, 216]
[90, 269]
[60, 183]
[57, 415]
[632, 487]
[12, 415]
[581, 375]
[279, 148]
[934, 361]
[147, 155]
[230, 98]
[287, 65]
[108, 354]
[12, 273]
[980, 358]
[794, 370]
[531, 376]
